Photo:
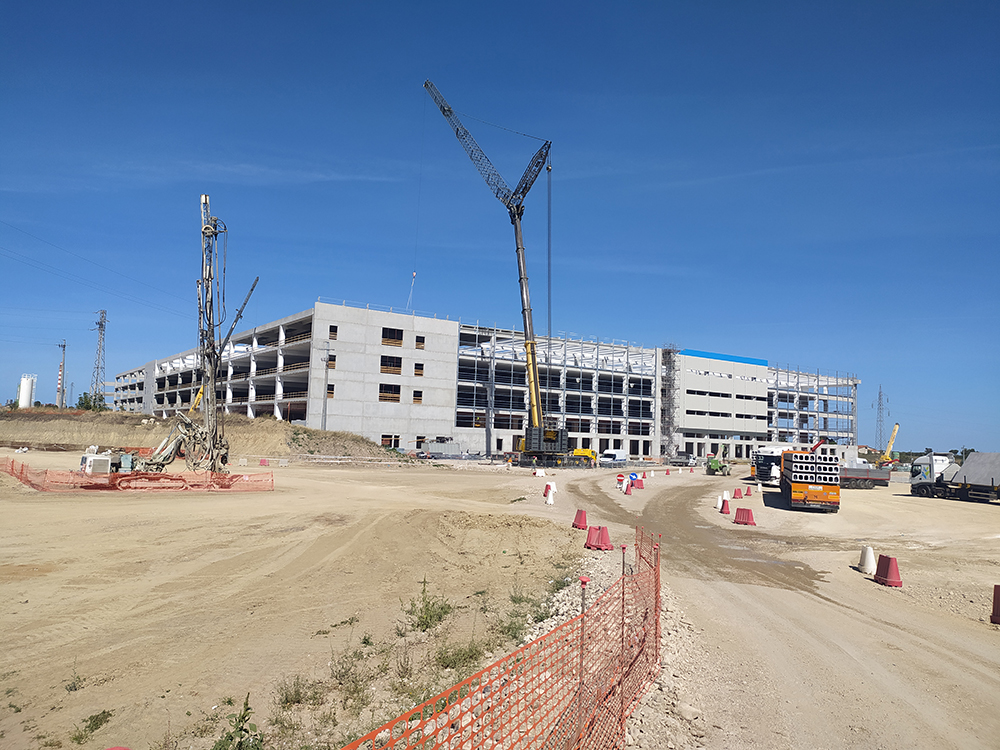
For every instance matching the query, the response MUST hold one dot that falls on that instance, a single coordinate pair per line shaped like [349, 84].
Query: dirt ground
[166, 609]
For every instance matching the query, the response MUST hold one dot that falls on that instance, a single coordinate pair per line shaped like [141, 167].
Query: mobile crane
[886, 457]
[543, 439]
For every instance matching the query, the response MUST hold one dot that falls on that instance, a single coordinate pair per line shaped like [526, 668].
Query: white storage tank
[26, 391]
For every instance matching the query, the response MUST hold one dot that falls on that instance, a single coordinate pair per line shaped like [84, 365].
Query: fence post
[621, 670]
[656, 557]
[584, 580]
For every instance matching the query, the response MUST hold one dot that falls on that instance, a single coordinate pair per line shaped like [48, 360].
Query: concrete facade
[414, 382]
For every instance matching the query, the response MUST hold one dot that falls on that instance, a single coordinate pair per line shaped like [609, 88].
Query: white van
[616, 457]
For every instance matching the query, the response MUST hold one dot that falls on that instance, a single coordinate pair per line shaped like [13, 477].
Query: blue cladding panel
[724, 357]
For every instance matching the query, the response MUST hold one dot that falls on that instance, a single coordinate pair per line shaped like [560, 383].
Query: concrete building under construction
[411, 381]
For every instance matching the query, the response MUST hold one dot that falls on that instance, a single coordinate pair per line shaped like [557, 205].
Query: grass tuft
[91, 724]
[427, 613]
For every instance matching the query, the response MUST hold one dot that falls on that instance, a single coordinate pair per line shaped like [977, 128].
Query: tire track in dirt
[695, 549]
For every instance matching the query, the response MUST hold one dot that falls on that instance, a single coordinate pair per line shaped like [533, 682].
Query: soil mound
[73, 430]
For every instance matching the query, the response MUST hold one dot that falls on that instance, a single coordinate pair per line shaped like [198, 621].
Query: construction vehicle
[185, 439]
[886, 459]
[939, 475]
[545, 442]
[858, 474]
[766, 465]
[718, 464]
[811, 478]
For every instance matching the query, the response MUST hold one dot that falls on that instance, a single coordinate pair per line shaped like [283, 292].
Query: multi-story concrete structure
[407, 380]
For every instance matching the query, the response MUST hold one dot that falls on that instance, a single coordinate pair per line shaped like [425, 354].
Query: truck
[939, 475]
[614, 457]
[811, 479]
[766, 465]
[857, 473]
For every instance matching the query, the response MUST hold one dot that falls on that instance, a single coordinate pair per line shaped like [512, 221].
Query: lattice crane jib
[513, 201]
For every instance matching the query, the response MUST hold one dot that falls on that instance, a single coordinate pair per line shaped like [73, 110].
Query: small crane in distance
[540, 441]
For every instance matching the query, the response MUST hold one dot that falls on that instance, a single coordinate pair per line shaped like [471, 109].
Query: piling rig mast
[540, 438]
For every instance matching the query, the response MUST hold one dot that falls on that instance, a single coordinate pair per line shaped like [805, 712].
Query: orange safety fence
[50, 480]
[571, 689]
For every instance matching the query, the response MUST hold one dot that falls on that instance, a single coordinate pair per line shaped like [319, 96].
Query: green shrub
[242, 735]
[429, 612]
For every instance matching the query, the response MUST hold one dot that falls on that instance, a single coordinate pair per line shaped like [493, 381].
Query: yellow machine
[886, 457]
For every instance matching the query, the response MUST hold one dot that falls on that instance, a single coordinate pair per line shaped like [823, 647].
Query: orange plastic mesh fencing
[571, 689]
[71, 481]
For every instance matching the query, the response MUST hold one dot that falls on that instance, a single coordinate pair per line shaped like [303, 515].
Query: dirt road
[797, 649]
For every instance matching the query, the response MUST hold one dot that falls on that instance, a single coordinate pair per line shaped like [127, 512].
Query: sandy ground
[160, 607]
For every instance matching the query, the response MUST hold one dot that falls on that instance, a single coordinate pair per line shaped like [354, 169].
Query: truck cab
[926, 470]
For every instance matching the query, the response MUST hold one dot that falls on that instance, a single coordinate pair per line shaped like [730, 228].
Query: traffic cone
[867, 562]
[604, 538]
[725, 495]
[887, 572]
[692, 470]
[725, 507]
[580, 522]
[628, 488]
[995, 617]
[668, 472]
[747, 493]
[737, 494]
[744, 517]
[718, 503]
[593, 534]
[651, 475]
[643, 475]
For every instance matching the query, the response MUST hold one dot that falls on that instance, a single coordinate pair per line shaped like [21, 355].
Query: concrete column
[279, 391]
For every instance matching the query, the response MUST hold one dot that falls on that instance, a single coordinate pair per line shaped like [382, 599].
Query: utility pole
[61, 387]
[97, 384]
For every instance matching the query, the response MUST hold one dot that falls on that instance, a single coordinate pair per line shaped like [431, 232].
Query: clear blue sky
[815, 184]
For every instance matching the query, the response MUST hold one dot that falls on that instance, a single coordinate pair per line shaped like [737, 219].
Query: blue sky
[815, 184]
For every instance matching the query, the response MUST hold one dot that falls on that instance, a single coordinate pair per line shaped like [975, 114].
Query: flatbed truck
[978, 478]
[858, 474]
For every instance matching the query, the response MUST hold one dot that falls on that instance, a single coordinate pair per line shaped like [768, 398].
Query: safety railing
[573, 688]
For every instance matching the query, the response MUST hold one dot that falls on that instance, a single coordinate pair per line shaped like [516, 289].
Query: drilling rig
[206, 448]
[544, 439]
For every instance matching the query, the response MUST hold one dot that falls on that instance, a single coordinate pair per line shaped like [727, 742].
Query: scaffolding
[602, 393]
[804, 407]
[668, 400]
